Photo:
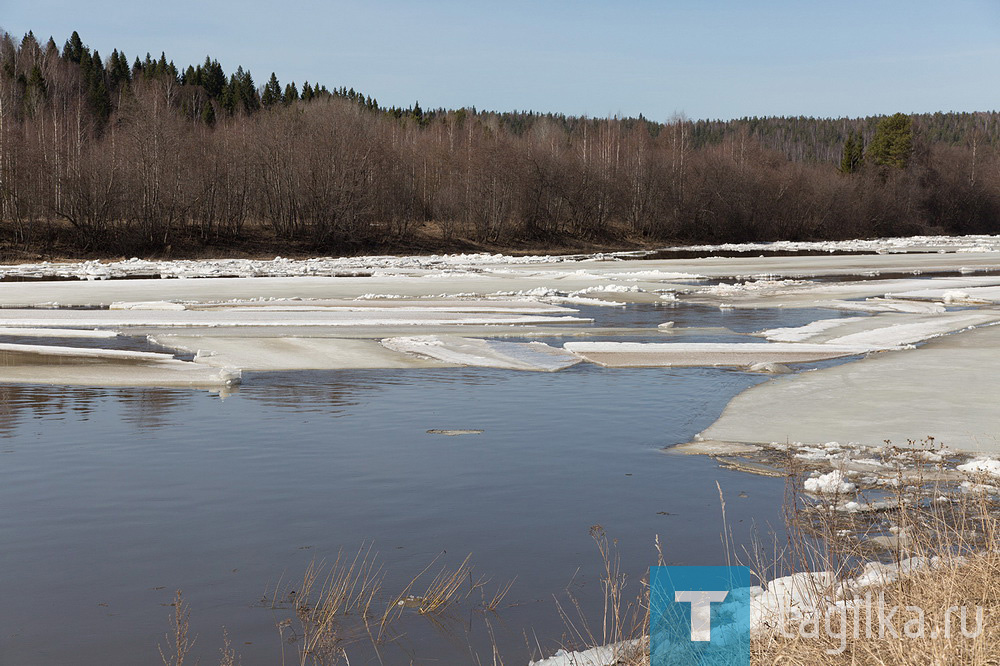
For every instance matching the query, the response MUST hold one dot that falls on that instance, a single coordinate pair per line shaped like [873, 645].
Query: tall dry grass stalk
[625, 612]
[328, 594]
[179, 643]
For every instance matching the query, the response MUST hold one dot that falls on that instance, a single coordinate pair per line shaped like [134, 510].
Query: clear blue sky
[705, 59]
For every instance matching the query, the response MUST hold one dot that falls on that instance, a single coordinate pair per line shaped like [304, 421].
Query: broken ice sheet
[266, 353]
[945, 389]
[536, 356]
[47, 364]
[695, 354]
[882, 331]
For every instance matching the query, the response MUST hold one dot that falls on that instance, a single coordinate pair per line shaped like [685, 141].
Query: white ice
[832, 483]
[38, 318]
[883, 331]
[681, 354]
[263, 353]
[105, 367]
[485, 353]
[57, 333]
[945, 389]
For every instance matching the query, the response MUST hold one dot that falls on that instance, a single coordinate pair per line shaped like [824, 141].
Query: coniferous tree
[73, 49]
[97, 90]
[272, 92]
[251, 100]
[29, 46]
[853, 154]
[858, 157]
[213, 79]
[208, 114]
[36, 82]
[118, 70]
[35, 92]
[892, 144]
[228, 98]
[290, 95]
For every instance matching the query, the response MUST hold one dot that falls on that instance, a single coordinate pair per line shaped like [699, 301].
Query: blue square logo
[700, 616]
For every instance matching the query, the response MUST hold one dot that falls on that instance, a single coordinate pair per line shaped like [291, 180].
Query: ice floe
[883, 331]
[603, 655]
[260, 353]
[680, 354]
[971, 243]
[945, 389]
[834, 482]
[24, 332]
[50, 364]
[972, 295]
[157, 318]
[988, 466]
[536, 356]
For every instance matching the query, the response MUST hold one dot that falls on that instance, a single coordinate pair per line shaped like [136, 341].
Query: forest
[107, 156]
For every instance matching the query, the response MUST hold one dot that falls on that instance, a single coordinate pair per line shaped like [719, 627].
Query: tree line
[106, 155]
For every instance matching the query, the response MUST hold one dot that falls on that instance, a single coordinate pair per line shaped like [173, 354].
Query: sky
[701, 59]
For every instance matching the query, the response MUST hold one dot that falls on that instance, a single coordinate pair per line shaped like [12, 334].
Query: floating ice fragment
[830, 483]
[485, 353]
[981, 466]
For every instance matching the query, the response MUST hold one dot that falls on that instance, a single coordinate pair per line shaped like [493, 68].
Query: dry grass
[179, 643]
[342, 605]
[928, 520]
[934, 635]
[625, 612]
[956, 527]
[328, 594]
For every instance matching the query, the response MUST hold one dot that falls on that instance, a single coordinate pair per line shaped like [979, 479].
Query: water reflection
[151, 408]
[19, 402]
[334, 392]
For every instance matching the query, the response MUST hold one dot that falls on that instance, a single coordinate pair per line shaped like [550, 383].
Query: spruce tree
[97, 88]
[853, 154]
[213, 78]
[36, 83]
[858, 157]
[208, 114]
[291, 94]
[118, 71]
[35, 91]
[892, 144]
[73, 49]
[272, 92]
[228, 97]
